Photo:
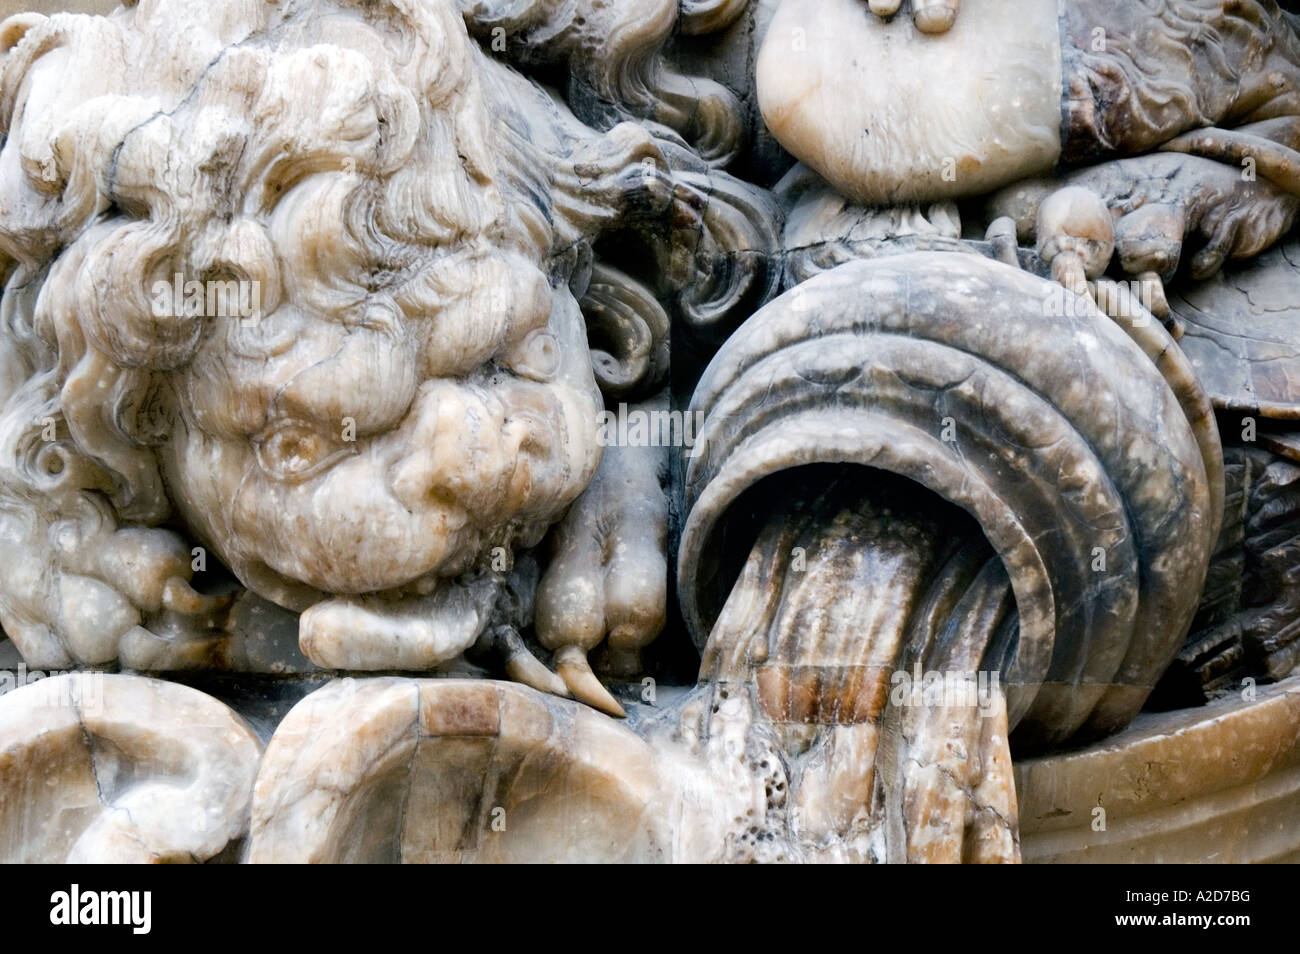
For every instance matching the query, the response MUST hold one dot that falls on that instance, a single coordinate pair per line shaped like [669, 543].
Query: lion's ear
[14, 28]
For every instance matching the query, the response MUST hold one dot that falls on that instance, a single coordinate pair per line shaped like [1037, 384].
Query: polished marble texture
[649, 430]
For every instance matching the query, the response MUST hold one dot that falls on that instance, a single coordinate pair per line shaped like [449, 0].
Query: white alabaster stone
[889, 114]
[449, 770]
[117, 768]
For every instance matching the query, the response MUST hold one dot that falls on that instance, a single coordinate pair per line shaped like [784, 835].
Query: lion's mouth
[399, 629]
[299, 596]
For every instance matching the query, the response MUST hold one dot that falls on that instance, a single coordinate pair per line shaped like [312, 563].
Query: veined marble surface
[649, 430]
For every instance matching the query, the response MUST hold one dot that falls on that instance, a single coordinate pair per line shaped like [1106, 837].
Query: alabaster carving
[409, 400]
[929, 132]
[651, 430]
[114, 768]
[1225, 774]
[440, 761]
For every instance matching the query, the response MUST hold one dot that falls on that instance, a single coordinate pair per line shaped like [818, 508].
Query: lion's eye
[292, 450]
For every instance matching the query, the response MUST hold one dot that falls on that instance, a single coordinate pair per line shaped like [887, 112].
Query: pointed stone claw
[571, 663]
[524, 667]
[501, 648]
[179, 596]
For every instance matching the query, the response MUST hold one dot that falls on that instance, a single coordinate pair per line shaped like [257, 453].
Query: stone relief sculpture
[414, 392]
[959, 427]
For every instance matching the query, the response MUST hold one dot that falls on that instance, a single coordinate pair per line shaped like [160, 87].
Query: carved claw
[607, 578]
[571, 663]
[1075, 236]
[180, 597]
[527, 669]
[507, 649]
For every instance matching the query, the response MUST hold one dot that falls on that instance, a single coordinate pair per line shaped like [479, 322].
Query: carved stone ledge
[1214, 784]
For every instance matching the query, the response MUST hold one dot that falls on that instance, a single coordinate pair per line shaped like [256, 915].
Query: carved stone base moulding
[649, 431]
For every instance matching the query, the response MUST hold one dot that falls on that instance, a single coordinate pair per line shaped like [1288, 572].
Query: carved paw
[607, 580]
[1168, 212]
[87, 593]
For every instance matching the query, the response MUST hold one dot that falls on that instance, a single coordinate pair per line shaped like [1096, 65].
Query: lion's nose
[414, 480]
[460, 450]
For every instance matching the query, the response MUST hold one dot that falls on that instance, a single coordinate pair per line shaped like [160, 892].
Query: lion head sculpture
[403, 392]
